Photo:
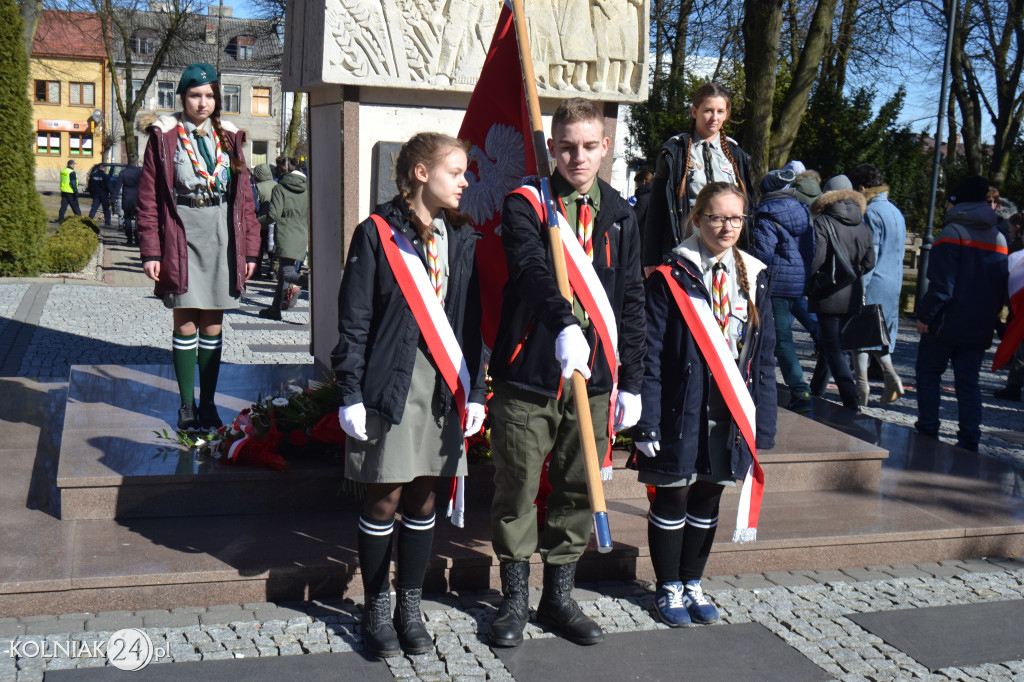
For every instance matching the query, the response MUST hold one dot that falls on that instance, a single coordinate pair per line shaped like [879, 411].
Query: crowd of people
[679, 308]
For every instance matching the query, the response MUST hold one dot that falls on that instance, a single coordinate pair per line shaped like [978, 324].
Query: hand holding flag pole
[579, 384]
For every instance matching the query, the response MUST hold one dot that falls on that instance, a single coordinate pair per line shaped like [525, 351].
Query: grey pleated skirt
[425, 443]
[210, 260]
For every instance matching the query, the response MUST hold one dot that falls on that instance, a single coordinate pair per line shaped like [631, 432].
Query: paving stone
[223, 615]
[750, 581]
[788, 578]
[52, 627]
[217, 656]
[189, 609]
[113, 623]
[165, 619]
[290, 649]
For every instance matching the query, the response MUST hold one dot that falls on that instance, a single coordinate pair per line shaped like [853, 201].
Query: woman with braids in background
[198, 234]
[401, 417]
[710, 339]
[685, 164]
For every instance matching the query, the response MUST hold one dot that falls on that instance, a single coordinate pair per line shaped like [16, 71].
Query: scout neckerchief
[211, 175]
[435, 266]
[701, 323]
[423, 301]
[720, 295]
[585, 225]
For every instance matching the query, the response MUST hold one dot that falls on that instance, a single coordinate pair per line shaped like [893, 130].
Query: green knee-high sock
[184, 356]
[209, 366]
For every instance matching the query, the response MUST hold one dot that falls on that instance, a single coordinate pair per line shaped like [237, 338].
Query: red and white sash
[583, 280]
[705, 330]
[437, 331]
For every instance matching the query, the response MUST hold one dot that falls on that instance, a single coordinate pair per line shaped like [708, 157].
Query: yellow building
[67, 83]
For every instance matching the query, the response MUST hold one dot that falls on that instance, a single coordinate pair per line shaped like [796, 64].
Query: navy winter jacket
[677, 379]
[784, 241]
[967, 274]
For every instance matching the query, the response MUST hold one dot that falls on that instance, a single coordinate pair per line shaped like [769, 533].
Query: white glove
[573, 352]
[474, 419]
[648, 448]
[352, 419]
[627, 410]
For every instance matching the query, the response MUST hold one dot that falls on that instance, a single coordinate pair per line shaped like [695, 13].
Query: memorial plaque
[383, 184]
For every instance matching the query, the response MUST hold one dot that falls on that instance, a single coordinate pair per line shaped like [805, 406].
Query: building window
[241, 47]
[165, 95]
[47, 143]
[144, 41]
[259, 153]
[135, 90]
[80, 144]
[82, 94]
[48, 92]
[261, 101]
[231, 99]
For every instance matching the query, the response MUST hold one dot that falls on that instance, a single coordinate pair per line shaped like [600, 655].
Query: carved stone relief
[589, 48]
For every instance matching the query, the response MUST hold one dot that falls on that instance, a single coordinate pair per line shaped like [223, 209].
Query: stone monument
[379, 71]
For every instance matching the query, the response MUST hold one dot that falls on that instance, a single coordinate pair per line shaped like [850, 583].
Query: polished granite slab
[112, 465]
[714, 653]
[938, 503]
[959, 636]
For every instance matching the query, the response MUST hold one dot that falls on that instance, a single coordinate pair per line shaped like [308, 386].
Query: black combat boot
[514, 613]
[412, 633]
[379, 636]
[557, 608]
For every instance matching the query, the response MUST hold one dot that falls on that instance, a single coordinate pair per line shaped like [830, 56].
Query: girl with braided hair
[403, 419]
[685, 164]
[198, 233]
[693, 439]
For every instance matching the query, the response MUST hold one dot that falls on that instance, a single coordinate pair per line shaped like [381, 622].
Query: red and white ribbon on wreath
[437, 332]
[700, 320]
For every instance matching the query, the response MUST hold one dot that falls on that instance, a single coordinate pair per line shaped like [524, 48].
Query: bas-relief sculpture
[589, 48]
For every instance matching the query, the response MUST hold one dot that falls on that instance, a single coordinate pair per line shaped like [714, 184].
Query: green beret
[197, 74]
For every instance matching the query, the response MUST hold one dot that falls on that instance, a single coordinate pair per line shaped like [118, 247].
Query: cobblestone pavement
[806, 609]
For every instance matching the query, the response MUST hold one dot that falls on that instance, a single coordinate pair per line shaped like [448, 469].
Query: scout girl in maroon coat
[198, 234]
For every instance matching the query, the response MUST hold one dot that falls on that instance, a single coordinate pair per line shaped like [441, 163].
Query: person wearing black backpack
[842, 253]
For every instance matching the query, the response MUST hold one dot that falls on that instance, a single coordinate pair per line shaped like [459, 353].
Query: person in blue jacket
[967, 278]
[688, 443]
[784, 240]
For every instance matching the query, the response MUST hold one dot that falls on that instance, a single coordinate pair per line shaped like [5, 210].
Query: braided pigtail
[681, 192]
[428, 149]
[735, 168]
[741, 270]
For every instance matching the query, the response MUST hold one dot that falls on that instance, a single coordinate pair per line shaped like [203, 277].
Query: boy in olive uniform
[542, 339]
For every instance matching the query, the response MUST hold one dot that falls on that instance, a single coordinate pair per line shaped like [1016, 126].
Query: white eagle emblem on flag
[493, 172]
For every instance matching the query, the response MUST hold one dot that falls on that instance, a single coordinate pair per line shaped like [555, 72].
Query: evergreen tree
[22, 220]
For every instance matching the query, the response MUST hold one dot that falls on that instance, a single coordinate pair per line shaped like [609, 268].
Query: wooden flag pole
[591, 462]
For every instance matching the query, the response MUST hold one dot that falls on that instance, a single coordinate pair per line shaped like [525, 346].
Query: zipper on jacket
[522, 342]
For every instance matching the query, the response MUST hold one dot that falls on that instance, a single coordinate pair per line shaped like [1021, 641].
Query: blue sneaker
[700, 609]
[669, 600]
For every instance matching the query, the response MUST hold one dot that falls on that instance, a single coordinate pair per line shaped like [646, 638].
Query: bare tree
[762, 30]
[31, 10]
[273, 12]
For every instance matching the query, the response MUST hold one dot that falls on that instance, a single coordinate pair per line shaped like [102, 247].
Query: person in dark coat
[842, 208]
[198, 234]
[688, 440]
[784, 240]
[686, 163]
[99, 188]
[403, 423]
[967, 288]
[128, 182]
[289, 212]
[642, 198]
[542, 340]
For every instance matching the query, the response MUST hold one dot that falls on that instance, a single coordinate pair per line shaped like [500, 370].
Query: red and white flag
[1014, 333]
[497, 127]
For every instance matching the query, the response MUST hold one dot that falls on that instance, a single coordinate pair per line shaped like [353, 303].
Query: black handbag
[835, 273]
[866, 329]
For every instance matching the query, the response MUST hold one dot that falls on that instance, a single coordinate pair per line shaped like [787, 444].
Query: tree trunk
[1009, 113]
[965, 88]
[762, 29]
[805, 71]
[30, 12]
[834, 71]
[678, 65]
[291, 138]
